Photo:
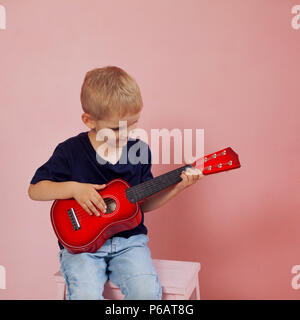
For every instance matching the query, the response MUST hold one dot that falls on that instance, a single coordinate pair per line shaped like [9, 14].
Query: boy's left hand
[189, 177]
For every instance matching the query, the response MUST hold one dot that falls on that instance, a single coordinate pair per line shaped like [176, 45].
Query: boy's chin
[122, 143]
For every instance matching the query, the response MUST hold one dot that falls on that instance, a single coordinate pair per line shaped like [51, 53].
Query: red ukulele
[80, 232]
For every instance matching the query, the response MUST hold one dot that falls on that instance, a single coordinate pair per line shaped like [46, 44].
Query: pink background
[230, 67]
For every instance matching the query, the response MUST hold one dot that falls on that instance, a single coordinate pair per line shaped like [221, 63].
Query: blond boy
[108, 95]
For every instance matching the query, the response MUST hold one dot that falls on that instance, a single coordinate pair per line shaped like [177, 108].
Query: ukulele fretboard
[148, 188]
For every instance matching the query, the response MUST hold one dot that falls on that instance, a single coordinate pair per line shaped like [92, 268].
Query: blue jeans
[124, 261]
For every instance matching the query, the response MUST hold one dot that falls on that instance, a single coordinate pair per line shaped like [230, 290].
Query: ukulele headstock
[222, 160]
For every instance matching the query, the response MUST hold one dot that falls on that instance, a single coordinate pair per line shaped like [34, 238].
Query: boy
[108, 95]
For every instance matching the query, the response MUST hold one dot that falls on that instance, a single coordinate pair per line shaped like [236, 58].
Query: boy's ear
[88, 120]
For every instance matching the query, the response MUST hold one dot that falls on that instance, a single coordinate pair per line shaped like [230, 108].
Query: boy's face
[120, 131]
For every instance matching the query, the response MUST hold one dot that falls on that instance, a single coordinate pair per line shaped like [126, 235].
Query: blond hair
[108, 91]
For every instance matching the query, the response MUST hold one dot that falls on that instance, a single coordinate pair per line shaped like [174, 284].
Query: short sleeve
[146, 168]
[56, 169]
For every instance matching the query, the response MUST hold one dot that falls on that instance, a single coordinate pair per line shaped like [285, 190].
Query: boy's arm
[53, 181]
[85, 194]
[189, 177]
[49, 190]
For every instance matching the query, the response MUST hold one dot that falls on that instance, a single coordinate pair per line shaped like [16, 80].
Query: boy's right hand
[87, 196]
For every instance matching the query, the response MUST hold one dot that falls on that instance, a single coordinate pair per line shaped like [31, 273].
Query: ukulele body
[80, 232]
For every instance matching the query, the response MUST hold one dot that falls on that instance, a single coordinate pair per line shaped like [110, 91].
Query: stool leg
[60, 291]
[197, 289]
[168, 296]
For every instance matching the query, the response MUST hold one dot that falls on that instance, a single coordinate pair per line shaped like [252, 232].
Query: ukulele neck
[222, 160]
[149, 187]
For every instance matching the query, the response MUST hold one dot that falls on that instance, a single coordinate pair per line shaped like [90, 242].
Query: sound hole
[110, 205]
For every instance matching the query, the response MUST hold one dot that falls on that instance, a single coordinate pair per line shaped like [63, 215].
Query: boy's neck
[114, 153]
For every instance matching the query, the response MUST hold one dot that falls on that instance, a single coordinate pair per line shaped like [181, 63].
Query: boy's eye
[117, 129]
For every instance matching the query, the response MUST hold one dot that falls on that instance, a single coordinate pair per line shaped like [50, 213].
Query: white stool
[179, 280]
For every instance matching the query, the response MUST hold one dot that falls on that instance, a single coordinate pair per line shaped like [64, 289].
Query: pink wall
[230, 67]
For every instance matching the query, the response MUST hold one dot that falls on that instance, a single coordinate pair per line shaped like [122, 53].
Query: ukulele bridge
[74, 220]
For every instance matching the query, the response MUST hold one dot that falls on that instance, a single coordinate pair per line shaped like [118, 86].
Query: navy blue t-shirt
[75, 159]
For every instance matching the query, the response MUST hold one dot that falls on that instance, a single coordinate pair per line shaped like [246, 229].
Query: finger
[193, 177]
[199, 172]
[196, 177]
[201, 175]
[195, 174]
[86, 208]
[190, 179]
[92, 207]
[189, 171]
[190, 175]
[184, 176]
[99, 199]
[99, 202]
[99, 186]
